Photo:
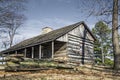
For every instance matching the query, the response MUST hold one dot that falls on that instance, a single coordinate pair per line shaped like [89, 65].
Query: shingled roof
[46, 37]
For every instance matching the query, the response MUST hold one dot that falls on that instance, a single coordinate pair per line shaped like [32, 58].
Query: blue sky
[52, 13]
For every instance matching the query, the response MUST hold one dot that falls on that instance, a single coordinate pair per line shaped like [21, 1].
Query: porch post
[25, 51]
[39, 51]
[8, 54]
[32, 52]
[2, 58]
[16, 52]
[52, 49]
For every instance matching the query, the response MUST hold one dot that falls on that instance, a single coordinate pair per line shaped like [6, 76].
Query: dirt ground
[79, 73]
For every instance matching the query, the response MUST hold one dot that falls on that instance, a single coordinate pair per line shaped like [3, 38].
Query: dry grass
[79, 73]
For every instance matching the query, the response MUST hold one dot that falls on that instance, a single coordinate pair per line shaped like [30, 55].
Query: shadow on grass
[109, 71]
[15, 77]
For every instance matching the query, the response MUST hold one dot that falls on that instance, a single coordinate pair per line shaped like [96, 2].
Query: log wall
[74, 47]
[75, 51]
[80, 46]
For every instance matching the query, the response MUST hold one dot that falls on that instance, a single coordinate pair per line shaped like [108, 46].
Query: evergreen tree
[103, 43]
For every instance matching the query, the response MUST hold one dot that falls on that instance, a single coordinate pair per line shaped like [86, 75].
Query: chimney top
[46, 30]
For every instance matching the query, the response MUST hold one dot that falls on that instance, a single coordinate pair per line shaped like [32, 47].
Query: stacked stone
[13, 62]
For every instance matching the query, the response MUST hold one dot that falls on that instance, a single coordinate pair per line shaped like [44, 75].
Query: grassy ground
[79, 73]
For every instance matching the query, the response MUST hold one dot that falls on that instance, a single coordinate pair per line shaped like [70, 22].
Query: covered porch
[48, 50]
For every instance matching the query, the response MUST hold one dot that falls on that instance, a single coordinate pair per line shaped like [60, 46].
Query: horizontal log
[78, 43]
[61, 51]
[74, 61]
[16, 55]
[74, 48]
[61, 58]
[75, 54]
[79, 37]
[60, 55]
[74, 45]
[74, 51]
[73, 39]
[78, 57]
[79, 61]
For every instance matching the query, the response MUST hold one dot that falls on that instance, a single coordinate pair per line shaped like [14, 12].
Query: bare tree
[10, 23]
[11, 18]
[108, 11]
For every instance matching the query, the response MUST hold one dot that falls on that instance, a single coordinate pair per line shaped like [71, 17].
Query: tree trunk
[11, 39]
[103, 58]
[115, 39]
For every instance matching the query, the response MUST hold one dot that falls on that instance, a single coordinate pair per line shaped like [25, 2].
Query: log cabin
[73, 44]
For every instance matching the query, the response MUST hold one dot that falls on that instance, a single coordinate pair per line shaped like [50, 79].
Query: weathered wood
[77, 47]
[64, 38]
[78, 57]
[16, 52]
[74, 42]
[74, 47]
[25, 51]
[40, 51]
[75, 60]
[75, 56]
[60, 49]
[74, 50]
[79, 61]
[52, 49]
[32, 52]
[79, 37]
[77, 42]
[8, 53]
[15, 55]
[74, 39]
[78, 54]
[60, 52]
[2, 59]
[13, 62]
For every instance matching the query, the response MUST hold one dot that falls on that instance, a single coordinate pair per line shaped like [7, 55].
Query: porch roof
[46, 37]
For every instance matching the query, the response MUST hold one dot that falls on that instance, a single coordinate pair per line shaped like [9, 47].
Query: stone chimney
[46, 30]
